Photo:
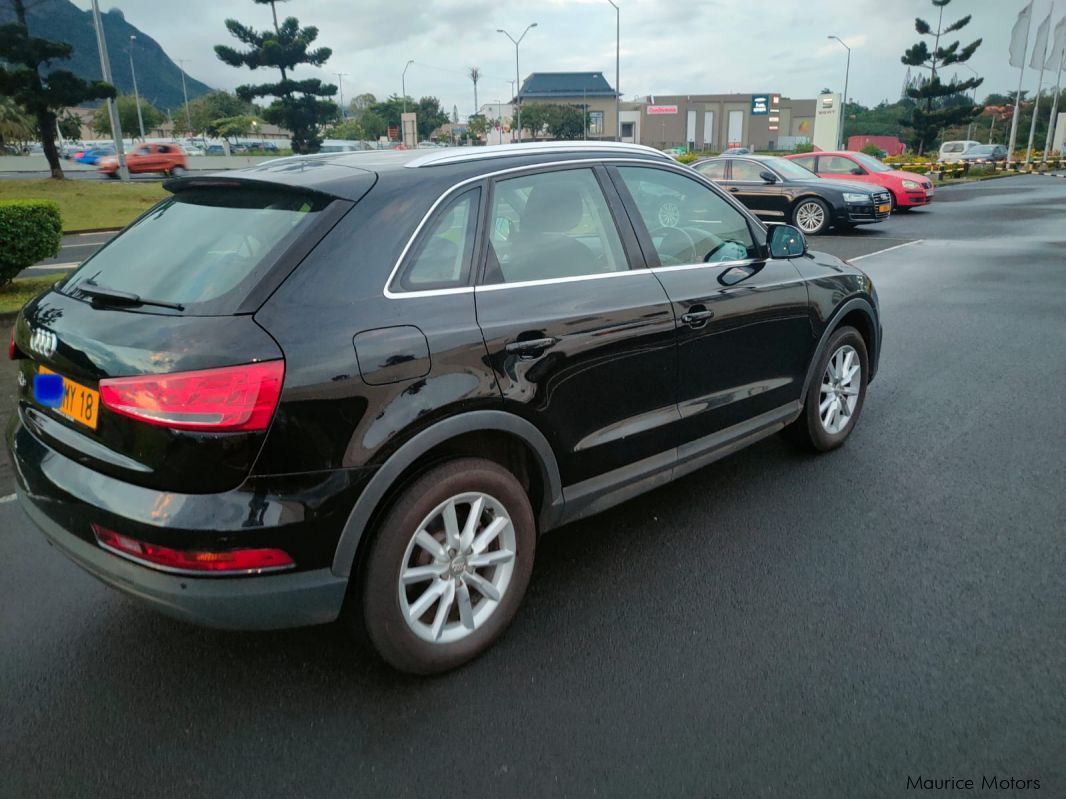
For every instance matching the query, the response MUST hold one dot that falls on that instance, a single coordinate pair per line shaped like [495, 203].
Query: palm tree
[14, 124]
[475, 76]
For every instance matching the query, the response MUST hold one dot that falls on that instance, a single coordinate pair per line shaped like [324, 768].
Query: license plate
[929, 192]
[80, 403]
[884, 209]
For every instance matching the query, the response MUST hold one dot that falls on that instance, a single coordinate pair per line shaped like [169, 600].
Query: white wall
[634, 117]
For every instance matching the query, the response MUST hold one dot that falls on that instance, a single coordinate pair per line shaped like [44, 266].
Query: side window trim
[644, 239]
[613, 206]
[443, 205]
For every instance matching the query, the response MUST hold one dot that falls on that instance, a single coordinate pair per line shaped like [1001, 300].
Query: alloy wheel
[457, 567]
[840, 389]
[810, 217]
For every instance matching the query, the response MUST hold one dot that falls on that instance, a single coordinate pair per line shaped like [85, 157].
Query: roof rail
[453, 155]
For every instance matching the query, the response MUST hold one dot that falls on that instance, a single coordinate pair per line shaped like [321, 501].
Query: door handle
[734, 190]
[530, 347]
[698, 317]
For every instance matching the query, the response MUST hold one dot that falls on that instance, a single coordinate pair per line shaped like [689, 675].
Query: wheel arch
[859, 313]
[499, 436]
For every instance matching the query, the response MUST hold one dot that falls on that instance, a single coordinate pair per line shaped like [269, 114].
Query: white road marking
[8, 498]
[68, 265]
[887, 249]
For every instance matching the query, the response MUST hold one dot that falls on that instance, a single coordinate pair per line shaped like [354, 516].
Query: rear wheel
[835, 397]
[177, 172]
[448, 567]
[811, 215]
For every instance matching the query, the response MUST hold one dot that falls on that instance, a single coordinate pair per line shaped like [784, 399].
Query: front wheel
[835, 397]
[448, 566]
[811, 215]
[177, 171]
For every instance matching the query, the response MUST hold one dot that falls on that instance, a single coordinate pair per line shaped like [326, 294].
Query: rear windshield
[203, 248]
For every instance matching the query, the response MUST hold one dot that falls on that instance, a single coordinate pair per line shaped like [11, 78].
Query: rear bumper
[242, 603]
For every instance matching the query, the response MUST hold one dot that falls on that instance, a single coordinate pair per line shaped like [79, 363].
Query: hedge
[30, 230]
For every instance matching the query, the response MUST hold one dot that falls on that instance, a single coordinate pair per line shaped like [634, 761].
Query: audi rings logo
[43, 342]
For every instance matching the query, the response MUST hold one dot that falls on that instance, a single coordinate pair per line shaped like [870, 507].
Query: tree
[477, 125]
[298, 106]
[231, 127]
[535, 117]
[15, 126]
[430, 116]
[349, 130]
[932, 113]
[127, 116]
[69, 126]
[205, 110]
[475, 76]
[566, 122]
[23, 59]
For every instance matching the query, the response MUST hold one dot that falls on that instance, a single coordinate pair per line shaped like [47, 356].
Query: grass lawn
[86, 204]
[23, 289]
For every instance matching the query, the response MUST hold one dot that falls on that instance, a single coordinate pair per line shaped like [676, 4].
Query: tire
[811, 215]
[428, 645]
[177, 171]
[809, 431]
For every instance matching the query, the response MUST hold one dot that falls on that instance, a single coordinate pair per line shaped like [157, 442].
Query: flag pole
[1039, 84]
[1054, 110]
[1018, 95]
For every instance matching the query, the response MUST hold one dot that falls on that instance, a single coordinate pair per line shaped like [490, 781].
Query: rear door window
[442, 257]
[203, 248]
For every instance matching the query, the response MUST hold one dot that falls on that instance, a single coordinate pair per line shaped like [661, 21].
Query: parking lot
[776, 624]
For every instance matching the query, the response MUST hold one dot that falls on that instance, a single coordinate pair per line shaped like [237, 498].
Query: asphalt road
[775, 625]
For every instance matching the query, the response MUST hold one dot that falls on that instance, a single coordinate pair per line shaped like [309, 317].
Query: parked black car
[779, 190]
[369, 381]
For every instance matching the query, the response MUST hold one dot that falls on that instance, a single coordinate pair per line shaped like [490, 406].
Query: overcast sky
[679, 47]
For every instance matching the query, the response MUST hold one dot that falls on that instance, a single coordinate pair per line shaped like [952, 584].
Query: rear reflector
[233, 561]
[12, 348]
[233, 398]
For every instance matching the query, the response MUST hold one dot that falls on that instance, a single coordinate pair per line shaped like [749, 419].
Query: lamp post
[617, 59]
[403, 84]
[112, 109]
[974, 71]
[844, 104]
[340, 89]
[136, 94]
[517, 74]
[185, 92]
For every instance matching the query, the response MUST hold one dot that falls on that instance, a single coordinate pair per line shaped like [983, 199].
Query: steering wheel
[669, 231]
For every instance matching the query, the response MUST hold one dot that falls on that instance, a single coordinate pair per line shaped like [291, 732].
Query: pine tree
[22, 61]
[298, 104]
[933, 113]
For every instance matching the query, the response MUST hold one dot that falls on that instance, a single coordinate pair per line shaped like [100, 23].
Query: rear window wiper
[116, 297]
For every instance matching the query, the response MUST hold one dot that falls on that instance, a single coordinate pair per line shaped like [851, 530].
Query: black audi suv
[360, 385]
[779, 190]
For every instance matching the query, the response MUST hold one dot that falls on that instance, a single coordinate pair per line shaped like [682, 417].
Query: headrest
[553, 207]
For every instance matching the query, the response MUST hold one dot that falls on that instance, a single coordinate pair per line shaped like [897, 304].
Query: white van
[950, 151]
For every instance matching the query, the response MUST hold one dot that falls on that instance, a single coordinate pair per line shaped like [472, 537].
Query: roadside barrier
[963, 168]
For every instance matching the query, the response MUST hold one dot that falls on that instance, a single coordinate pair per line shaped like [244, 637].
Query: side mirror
[858, 170]
[768, 176]
[787, 242]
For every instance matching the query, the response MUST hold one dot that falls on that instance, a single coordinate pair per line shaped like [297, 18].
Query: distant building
[889, 144]
[587, 90]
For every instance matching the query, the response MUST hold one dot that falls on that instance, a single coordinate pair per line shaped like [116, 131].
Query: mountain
[158, 78]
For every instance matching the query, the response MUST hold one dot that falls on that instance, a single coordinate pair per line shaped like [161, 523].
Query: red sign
[662, 109]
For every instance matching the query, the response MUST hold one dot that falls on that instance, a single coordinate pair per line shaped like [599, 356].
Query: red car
[907, 188]
[166, 158]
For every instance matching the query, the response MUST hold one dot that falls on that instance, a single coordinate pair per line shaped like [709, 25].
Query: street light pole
[185, 92]
[974, 71]
[112, 110]
[617, 60]
[844, 104]
[518, 74]
[136, 94]
[403, 85]
[340, 89]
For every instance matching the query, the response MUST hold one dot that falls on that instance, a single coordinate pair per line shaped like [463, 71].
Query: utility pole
[844, 102]
[185, 92]
[136, 94]
[112, 109]
[340, 89]
[517, 73]
[403, 84]
[617, 60]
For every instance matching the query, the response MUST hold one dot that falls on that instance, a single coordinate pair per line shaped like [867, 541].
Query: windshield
[789, 169]
[871, 163]
[200, 247]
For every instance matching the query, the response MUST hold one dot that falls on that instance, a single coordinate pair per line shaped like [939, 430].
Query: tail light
[12, 347]
[232, 561]
[233, 398]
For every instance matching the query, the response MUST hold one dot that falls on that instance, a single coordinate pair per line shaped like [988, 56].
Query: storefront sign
[760, 105]
[662, 109]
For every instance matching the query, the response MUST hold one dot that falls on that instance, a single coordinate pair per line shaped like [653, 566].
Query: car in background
[907, 188]
[737, 151]
[951, 151]
[782, 191]
[166, 158]
[93, 155]
[204, 423]
[984, 154]
[215, 149]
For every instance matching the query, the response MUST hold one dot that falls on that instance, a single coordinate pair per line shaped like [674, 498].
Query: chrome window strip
[403, 295]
